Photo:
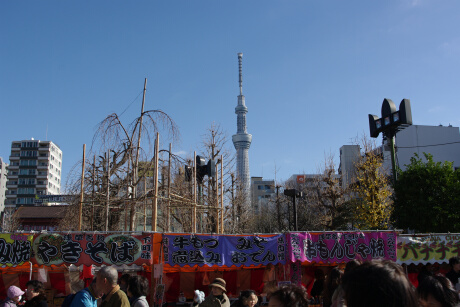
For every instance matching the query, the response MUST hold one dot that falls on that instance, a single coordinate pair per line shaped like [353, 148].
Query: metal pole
[81, 188]
[168, 223]
[216, 187]
[94, 181]
[278, 206]
[222, 193]
[145, 203]
[128, 200]
[393, 159]
[136, 164]
[108, 192]
[194, 194]
[295, 214]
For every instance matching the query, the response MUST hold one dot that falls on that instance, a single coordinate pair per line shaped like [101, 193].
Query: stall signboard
[224, 250]
[428, 248]
[15, 249]
[84, 248]
[336, 247]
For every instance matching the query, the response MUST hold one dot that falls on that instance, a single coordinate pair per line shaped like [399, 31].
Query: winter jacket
[116, 298]
[37, 301]
[212, 301]
[140, 301]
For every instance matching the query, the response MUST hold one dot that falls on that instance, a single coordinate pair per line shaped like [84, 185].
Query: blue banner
[224, 250]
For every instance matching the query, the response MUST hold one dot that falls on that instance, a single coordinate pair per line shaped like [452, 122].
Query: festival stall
[244, 261]
[65, 262]
[427, 252]
[308, 251]
[183, 262]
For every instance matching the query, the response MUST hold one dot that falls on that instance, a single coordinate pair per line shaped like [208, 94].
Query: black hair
[440, 288]
[351, 265]
[378, 284]
[37, 286]
[291, 296]
[138, 286]
[454, 260]
[333, 280]
[125, 277]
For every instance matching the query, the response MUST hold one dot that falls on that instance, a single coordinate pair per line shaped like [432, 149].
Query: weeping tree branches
[113, 178]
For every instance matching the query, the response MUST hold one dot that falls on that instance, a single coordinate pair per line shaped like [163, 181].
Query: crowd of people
[106, 290]
[376, 283]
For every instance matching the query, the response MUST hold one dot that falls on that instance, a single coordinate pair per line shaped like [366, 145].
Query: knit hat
[14, 291]
[219, 283]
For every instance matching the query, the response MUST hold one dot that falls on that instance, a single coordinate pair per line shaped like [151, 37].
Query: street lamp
[294, 194]
[389, 122]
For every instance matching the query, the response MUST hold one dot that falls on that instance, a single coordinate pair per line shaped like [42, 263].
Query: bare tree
[112, 182]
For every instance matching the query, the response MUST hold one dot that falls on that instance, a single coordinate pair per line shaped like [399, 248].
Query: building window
[27, 172]
[26, 181]
[29, 144]
[26, 191]
[28, 153]
[28, 162]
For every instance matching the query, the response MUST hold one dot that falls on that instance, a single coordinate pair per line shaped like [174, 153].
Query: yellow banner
[15, 249]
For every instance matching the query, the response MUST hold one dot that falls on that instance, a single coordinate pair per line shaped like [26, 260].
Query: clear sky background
[312, 70]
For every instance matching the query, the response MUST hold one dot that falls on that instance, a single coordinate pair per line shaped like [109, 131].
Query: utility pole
[82, 187]
[278, 206]
[136, 164]
[108, 192]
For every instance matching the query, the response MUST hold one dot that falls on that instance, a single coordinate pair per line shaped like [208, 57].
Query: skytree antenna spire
[242, 140]
[240, 64]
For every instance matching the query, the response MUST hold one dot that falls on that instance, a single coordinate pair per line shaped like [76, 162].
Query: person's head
[454, 262]
[138, 286]
[319, 274]
[289, 296]
[424, 273]
[379, 284]
[106, 279]
[14, 294]
[437, 291]
[351, 265]
[123, 281]
[218, 286]
[334, 277]
[333, 280]
[34, 288]
[248, 298]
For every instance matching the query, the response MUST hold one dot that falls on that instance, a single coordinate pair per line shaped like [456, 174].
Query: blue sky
[312, 70]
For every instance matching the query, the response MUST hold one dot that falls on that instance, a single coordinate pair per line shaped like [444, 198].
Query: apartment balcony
[45, 175]
[12, 184]
[41, 184]
[11, 167]
[42, 166]
[14, 158]
[44, 148]
[43, 157]
[16, 149]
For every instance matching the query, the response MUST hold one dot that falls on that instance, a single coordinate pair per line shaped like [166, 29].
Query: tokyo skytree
[242, 139]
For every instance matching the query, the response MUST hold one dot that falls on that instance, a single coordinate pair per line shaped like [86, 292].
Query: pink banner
[330, 247]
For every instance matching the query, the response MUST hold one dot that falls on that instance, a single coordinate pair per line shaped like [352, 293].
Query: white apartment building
[261, 192]
[35, 169]
[3, 179]
[349, 155]
[443, 142]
